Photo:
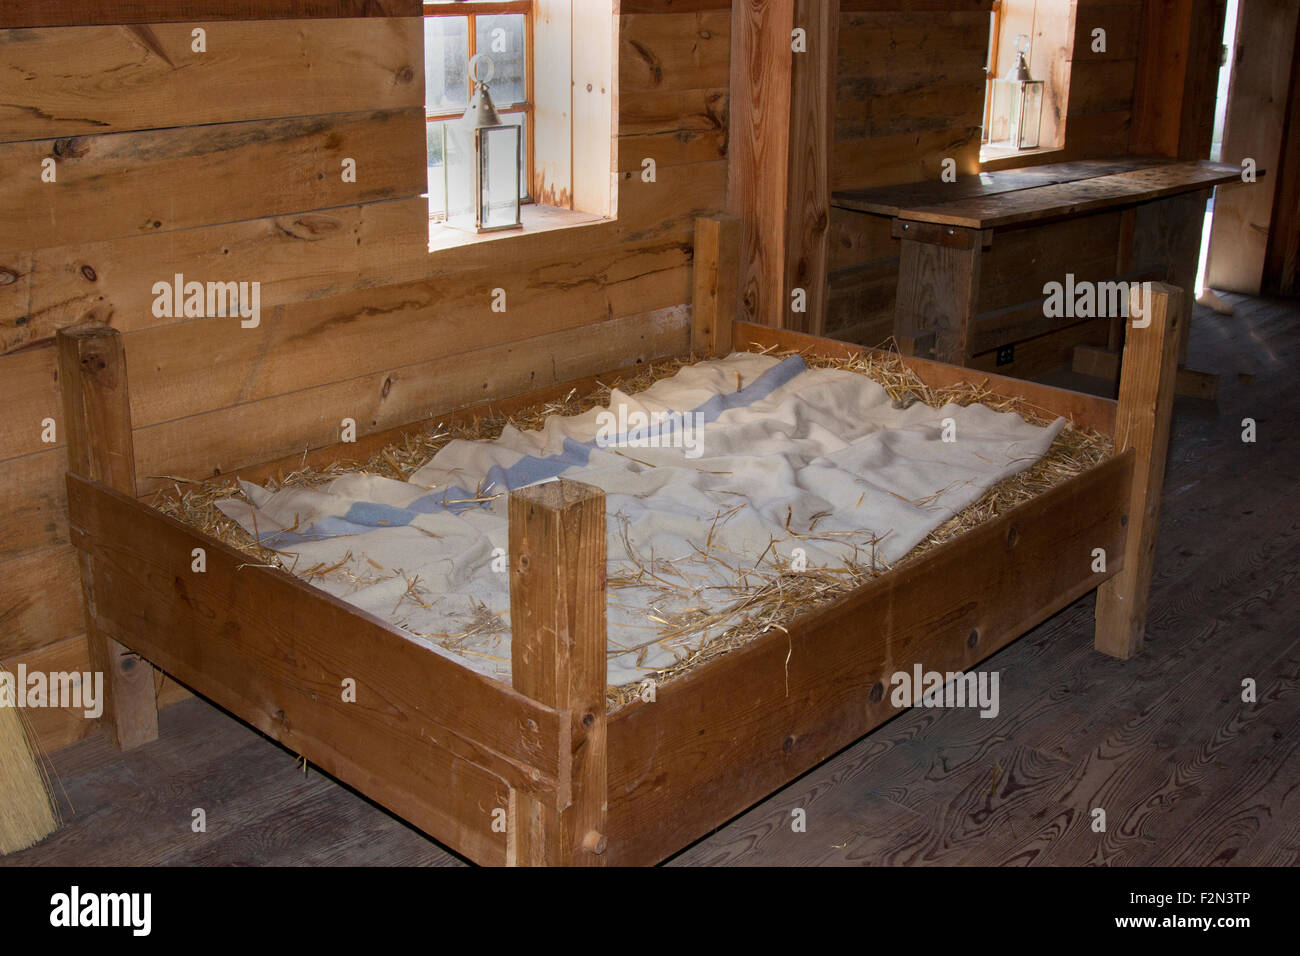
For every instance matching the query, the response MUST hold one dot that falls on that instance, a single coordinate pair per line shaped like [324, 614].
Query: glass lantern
[1016, 111]
[481, 161]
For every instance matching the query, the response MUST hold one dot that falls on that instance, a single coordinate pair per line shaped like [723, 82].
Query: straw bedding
[769, 595]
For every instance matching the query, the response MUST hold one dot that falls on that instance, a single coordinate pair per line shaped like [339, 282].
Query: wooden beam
[715, 305]
[758, 150]
[558, 658]
[1175, 86]
[808, 183]
[1146, 398]
[97, 424]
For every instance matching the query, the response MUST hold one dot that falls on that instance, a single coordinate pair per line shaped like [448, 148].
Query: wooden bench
[946, 230]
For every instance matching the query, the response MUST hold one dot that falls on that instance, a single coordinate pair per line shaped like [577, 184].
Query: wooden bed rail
[558, 657]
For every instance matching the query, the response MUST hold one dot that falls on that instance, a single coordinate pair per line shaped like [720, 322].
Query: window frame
[991, 70]
[471, 9]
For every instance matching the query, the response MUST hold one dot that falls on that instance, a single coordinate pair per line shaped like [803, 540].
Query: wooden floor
[1186, 772]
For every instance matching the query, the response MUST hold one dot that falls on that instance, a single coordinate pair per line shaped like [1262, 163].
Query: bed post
[1146, 398]
[558, 658]
[716, 301]
[97, 423]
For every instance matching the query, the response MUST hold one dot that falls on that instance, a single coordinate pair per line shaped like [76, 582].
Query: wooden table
[945, 229]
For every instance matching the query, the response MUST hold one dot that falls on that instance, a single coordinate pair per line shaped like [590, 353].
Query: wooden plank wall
[911, 92]
[226, 166]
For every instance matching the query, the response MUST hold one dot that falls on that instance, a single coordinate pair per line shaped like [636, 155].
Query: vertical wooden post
[1146, 399]
[758, 145]
[808, 187]
[715, 304]
[558, 658]
[778, 155]
[97, 423]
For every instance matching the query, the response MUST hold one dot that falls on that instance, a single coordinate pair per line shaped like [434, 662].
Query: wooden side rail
[97, 422]
[1146, 399]
[558, 657]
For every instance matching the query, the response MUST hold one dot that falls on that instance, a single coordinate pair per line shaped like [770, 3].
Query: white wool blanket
[749, 462]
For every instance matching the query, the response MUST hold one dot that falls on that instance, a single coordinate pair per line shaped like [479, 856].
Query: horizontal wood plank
[896, 200]
[131, 184]
[225, 439]
[191, 367]
[295, 258]
[72, 81]
[59, 13]
[40, 600]
[33, 503]
[1074, 198]
[674, 51]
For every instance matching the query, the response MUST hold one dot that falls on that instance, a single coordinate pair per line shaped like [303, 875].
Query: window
[453, 33]
[555, 77]
[1047, 28]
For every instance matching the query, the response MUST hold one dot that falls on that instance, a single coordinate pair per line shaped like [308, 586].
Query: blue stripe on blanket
[364, 516]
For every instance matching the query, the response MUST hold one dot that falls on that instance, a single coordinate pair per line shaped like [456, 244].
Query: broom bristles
[26, 807]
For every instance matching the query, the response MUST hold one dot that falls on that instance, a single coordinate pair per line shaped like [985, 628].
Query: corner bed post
[97, 423]
[1142, 420]
[558, 658]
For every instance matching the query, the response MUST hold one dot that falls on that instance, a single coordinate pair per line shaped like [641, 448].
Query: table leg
[938, 282]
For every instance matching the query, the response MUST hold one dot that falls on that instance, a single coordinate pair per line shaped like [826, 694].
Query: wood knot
[877, 692]
[588, 720]
[71, 147]
[594, 842]
[973, 638]
[89, 273]
[406, 74]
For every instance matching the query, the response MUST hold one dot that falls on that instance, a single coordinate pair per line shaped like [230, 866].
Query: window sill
[995, 157]
[536, 218]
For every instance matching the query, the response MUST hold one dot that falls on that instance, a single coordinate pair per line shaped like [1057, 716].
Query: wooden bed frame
[539, 773]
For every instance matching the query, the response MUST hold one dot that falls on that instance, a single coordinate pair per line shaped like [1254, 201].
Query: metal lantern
[1016, 111]
[481, 161]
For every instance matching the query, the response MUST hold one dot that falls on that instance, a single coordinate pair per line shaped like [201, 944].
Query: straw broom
[26, 805]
